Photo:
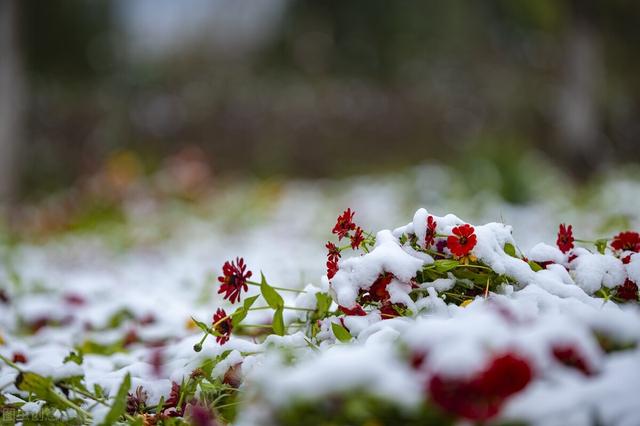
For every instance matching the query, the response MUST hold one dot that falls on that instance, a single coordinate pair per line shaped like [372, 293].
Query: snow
[175, 279]
[593, 270]
[358, 273]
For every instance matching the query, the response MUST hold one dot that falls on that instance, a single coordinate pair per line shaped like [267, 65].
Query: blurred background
[98, 96]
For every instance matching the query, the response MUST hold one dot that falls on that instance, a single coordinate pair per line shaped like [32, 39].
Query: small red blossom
[430, 235]
[344, 224]
[627, 259]
[199, 414]
[628, 290]
[174, 396]
[137, 402]
[417, 359]
[628, 240]
[19, 357]
[388, 311]
[332, 268]
[130, 338]
[357, 238]
[157, 362]
[223, 325]
[333, 252]
[571, 357]
[462, 241]
[74, 299]
[234, 279]
[378, 290]
[565, 238]
[481, 397]
[357, 310]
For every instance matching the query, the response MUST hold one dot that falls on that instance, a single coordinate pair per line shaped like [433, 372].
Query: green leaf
[341, 332]
[534, 266]
[278, 322]
[445, 265]
[204, 327]
[323, 303]
[271, 296]
[601, 245]
[510, 249]
[241, 312]
[40, 386]
[160, 406]
[76, 357]
[119, 403]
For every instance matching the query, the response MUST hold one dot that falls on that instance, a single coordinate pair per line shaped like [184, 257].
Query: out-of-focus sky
[313, 89]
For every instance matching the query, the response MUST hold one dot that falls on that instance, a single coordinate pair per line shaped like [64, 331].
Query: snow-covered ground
[80, 291]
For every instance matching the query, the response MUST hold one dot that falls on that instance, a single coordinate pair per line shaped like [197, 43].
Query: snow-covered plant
[431, 323]
[434, 321]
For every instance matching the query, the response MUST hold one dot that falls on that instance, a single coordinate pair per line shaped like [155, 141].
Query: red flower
[234, 279]
[481, 397]
[334, 252]
[627, 291]
[462, 241]
[332, 268]
[223, 325]
[378, 290]
[137, 402]
[19, 357]
[571, 357]
[357, 238]
[626, 241]
[157, 361]
[344, 224]
[430, 235]
[174, 395]
[627, 259]
[387, 311]
[565, 238]
[357, 311]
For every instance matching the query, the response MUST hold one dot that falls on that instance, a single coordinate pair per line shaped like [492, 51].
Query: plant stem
[276, 288]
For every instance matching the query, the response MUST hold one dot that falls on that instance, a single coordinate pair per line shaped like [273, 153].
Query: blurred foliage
[337, 88]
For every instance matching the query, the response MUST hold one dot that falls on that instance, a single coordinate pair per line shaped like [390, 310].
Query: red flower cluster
[565, 238]
[481, 397]
[234, 279]
[223, 325]
[571, 357]
[627, 291]
[343, 227]
[462, 241]
[430, 235]
[344, 224]
[626, 241]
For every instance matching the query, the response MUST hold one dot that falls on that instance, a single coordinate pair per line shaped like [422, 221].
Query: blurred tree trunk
[11, 100]
[578, 119]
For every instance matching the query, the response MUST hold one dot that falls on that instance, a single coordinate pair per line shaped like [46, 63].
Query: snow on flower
[358, 273]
